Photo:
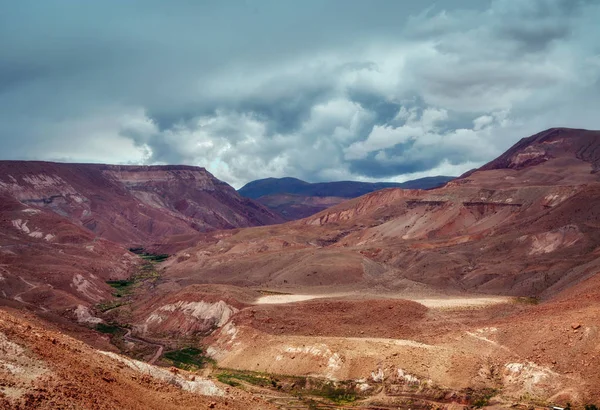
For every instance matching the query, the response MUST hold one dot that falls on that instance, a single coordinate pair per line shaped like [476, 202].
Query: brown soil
[524, 225]
[375, 318]
[43, 369]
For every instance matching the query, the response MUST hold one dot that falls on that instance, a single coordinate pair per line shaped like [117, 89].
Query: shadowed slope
[132, 204]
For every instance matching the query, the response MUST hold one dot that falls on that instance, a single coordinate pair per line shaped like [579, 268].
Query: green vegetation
[304, 388]
[228, 379]
[119, 284]
[482, 398]
[189, 358]
[272, 292]
[112, 304]
[108, 328]
[233, 378]
[122, 287]
[146, 273]
[339, 394]
[152, 257]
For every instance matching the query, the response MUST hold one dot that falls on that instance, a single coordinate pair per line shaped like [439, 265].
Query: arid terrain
[296, 199]
[161, 287]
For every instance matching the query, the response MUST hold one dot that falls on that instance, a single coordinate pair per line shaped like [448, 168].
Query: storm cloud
[319, 90]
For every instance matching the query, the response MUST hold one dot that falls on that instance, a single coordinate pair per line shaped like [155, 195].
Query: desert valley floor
[161, 287]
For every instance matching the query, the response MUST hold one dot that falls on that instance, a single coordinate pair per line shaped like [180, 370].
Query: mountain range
[294, 199]
[178, 291]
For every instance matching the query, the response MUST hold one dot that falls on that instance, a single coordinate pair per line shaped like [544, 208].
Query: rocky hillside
[549, 145]
[533, 220]
[50, 263]
[481, 292]
[132, 204]
[65, 229]
[42, 368]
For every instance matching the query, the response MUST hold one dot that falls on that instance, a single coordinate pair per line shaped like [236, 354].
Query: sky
[322, 90]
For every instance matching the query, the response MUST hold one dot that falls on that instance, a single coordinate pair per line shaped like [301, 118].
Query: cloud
[319, 90]
[421, 144]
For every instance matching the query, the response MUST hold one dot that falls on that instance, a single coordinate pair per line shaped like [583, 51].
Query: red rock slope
[41, 368]
[132, 204]
[525, 224]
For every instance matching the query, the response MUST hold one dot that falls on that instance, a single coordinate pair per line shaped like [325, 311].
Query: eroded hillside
[132, 204]
[481, 293]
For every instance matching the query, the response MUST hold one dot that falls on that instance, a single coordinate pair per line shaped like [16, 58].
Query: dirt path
[18, 297]
[159, 350]
[453, 302]
[440, 303]
[279, 299]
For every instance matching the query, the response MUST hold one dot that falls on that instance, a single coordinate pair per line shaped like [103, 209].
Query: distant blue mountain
[342, 189]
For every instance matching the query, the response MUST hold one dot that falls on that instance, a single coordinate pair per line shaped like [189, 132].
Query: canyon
[481, 292]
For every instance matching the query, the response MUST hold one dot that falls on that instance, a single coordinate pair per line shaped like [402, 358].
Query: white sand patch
[86, 287]
[18, 368]
[44, 181]
[388, 342]
[334, 359]
[529, 376]
[199, 386]
[408, 378]
[21, 225]
[462, 302]
[31, 211]
[78, 198]
[378, 376]
[84, 316]
[9, 348]
[560, 238]
[278, 299]
[447, 302]
[218, 313]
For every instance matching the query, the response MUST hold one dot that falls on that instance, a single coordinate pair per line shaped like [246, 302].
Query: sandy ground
[281, 299]
[463, 302]
[449, 302]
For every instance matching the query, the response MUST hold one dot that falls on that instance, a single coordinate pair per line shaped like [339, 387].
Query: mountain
[296, 199]
[65, 228]
[518, 237]
[343, 189]
[482, 292]
[48, 262]
[132, 204]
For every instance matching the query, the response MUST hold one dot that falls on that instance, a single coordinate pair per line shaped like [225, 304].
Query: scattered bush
[108, 328]
[153, 257]
[337, 394]
[189, 358]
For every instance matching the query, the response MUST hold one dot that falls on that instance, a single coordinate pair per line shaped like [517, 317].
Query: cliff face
[132, 204]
